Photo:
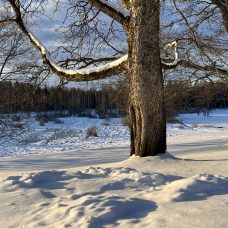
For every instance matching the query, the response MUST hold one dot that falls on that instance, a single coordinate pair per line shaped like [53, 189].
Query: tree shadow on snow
[120, 209]
[41, 180]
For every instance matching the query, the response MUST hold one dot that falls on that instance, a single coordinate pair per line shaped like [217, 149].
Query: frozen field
[71, 134]
[62, 178]
[67, 136]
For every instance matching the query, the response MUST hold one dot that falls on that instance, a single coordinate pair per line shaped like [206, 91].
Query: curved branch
[120, 15]
[90, 74]
[174, 46]
[188, 64]
[86, 61]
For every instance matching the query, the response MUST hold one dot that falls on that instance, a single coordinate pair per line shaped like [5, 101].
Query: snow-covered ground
[187, 187]
[71, 134]
[67, 136]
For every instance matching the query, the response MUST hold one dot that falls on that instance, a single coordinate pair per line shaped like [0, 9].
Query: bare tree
[90, 26]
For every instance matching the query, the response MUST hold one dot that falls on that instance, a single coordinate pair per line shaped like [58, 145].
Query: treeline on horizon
[24, 97]
[109, 100]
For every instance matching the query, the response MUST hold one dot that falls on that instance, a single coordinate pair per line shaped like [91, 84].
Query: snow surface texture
[114, 196]
[71, 135]
[68, 136]
[187, 188]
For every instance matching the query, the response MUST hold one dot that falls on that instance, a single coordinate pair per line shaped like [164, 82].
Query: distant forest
[109, 100]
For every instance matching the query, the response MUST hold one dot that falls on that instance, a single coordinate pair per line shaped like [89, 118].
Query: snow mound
[104, 197]
[45, 179]
[117, 177]
[198, 187]
[89, 198]
[136, 161]
[165, 156]
[127, 175]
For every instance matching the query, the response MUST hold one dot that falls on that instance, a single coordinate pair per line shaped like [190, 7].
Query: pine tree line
[24, 97]
[179, 97]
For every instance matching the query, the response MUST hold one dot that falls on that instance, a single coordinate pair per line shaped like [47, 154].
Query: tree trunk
[146, 107]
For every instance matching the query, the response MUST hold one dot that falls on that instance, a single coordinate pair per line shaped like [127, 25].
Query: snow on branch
[172, 45]
[88, 74]
[120, 15]
[124, 12]
[192, 65]
[187, 64]
[113, 68]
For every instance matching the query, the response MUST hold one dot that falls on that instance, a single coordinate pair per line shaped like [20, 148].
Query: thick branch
[90, 74]
[122, 16]
[188, 64]
[86, 61]
[6, 21]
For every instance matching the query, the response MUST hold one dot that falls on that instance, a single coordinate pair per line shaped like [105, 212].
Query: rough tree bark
[146, 108]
